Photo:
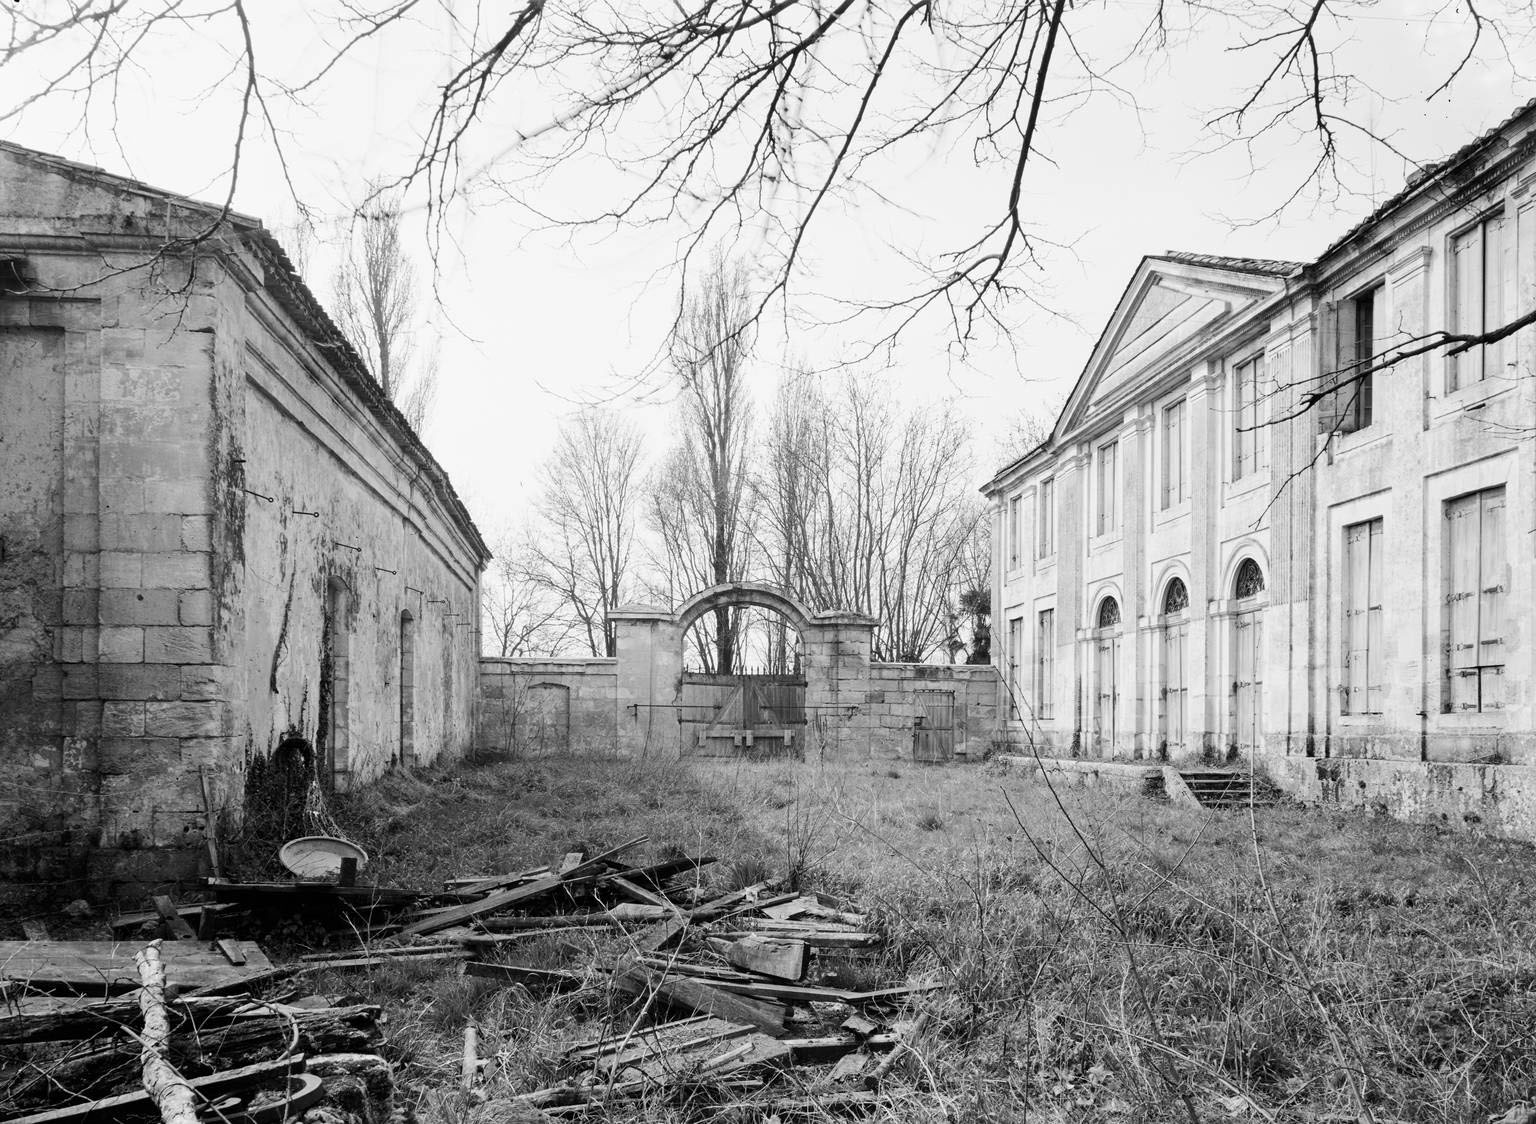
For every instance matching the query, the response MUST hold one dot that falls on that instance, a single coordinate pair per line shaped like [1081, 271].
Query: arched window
[1250, 580]
[1109, 613]
[1175, 598]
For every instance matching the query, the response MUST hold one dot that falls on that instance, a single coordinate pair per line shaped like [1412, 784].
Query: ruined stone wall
[533, 706]
[138, 660]
[354, 615]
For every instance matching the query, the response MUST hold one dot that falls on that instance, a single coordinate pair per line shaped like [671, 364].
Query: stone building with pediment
[1280, 521]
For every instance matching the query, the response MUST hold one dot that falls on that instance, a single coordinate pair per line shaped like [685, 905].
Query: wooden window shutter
[1375, 640]
[1493, 581]
[1461, 597]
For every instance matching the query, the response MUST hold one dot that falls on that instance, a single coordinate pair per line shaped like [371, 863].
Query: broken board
[103, 968]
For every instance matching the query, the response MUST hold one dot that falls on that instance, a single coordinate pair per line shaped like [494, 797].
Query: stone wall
[162, 586]
[1497, 799]
[892, 707]
[547, 706]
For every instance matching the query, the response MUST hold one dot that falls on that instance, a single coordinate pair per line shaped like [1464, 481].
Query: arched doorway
[1106, 676]
[1248, 593]
[754, 703]
[1173, 697]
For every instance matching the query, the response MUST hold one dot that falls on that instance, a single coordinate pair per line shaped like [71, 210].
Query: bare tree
[701, 493]
[583, 548]
[523, 618]
[869, 508]
[376, 309]
[776, 112]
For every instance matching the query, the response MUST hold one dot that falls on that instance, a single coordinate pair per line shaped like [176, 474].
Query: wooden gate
[752, 715]
[933, 734]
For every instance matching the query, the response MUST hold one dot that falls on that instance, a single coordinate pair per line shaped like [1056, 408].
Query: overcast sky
[530, 322]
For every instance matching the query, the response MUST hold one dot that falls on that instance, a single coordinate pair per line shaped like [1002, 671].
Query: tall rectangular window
[1476, 582]
[1173, 489]
[1361, 322]
[1362, 690]
[1477, 298]
[1046, 519]
[1015, 660]
[1248, 453]
[1108, 456]
[1045, 664]
[1015, 530]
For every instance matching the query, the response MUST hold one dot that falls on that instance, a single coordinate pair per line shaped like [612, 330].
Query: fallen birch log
[167, 1088]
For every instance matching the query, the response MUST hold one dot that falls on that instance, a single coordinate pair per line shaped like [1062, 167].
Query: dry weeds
[1109, 959]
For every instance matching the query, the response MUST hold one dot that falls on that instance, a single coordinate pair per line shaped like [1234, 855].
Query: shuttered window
[1015, 530]
[1045, 664]
[1362, 322]
[1108, 457]
[1248, 445]
[1046, 545]
[1477, 298]
[1173, 456]
[1015, 659]
[1476, 585]
[1362, 689]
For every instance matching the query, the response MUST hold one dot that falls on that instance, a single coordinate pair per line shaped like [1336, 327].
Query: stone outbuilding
[1232, 549]
[215, 533]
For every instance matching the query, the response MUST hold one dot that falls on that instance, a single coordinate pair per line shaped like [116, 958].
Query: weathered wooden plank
[111, 1108]
[233, 951]
[641, 894]
[794, 993]
[637, 979]
[106, 967]
[551, 978]
[784, 960]
[188, 912]
[170, 920]
[812, 937]
[485, 905]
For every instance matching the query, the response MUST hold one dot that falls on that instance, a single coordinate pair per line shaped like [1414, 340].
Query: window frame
[1490, 602]
[1356, 410]
[1173, 487]
[1366, 636]
[1045, 664]
[1015, 658]
[1106, 488]
[1015, 528]
[1248, 443]
[1484, 359]
[1045, 514]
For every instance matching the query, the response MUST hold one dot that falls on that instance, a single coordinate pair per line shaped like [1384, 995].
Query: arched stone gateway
[834, 656]
[852, 707]
[757, 595]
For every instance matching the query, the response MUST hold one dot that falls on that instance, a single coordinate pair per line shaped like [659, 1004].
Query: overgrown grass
[1105, 958]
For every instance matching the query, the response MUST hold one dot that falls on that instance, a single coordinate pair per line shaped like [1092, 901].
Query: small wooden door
[933, 735]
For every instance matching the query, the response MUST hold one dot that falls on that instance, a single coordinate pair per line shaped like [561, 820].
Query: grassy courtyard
[1105, 958]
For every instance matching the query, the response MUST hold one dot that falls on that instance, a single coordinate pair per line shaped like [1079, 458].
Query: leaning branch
[167, 1088]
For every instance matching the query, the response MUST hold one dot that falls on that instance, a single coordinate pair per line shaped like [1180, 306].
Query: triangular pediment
[1166, 310]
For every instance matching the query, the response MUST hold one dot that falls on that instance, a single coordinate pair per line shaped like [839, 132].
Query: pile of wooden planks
[732, 988]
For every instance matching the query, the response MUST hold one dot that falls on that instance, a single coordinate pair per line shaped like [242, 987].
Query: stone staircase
[1227, 788]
